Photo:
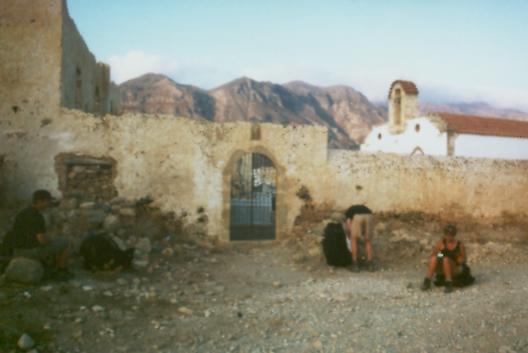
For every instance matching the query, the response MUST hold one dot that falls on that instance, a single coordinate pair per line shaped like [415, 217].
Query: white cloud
[136, 63]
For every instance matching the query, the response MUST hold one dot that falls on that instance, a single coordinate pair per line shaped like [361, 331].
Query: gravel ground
[255, 298]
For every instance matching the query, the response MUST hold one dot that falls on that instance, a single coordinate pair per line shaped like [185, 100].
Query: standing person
[358, 224]
[447, 259]
[29, 238]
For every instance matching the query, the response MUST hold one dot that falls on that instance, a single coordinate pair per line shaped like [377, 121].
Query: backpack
[101, 252]
[334, 246]
[462, 279]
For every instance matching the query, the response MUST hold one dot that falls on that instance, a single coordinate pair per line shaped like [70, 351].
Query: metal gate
[253, 189]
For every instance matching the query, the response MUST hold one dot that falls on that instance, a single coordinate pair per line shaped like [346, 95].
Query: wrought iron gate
[253, 189]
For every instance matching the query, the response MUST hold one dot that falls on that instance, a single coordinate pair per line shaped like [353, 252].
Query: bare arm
[437, 248]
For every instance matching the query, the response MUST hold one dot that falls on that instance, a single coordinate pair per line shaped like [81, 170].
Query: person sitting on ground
[29, 238]
[358, 224]
[447, 259]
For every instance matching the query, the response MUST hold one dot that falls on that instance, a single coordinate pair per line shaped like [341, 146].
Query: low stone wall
[451, 187]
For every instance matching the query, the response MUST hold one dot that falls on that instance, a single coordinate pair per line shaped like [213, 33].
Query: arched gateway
[253, 191]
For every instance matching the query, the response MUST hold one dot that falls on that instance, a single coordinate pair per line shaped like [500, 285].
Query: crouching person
[447, 260]
[29, 238]
[359, 224]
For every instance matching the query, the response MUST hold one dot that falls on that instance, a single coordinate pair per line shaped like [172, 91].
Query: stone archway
[265, 199]
[252, 201]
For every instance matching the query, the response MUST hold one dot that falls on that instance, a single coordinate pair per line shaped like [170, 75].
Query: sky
[465, 50]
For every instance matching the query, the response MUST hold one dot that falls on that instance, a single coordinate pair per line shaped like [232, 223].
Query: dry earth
[281, 297]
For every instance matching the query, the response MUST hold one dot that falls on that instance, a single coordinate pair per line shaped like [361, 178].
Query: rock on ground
[24, 270]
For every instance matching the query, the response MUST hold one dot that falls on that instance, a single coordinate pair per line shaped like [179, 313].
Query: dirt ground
[282, 297]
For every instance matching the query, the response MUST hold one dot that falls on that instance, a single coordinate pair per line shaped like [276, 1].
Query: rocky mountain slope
[346, 113]
[158, 94]
[349, 108]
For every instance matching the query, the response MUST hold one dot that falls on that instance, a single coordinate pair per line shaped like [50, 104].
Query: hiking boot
[354, 267]
[448, 287]
[371, 266]
[426, 285]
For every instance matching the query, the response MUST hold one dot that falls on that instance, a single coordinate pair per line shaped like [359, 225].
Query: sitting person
[358, 224]
[29, 237]
[448, 259]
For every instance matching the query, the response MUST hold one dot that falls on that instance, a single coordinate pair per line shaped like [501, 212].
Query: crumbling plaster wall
[30, 57]
[182, 164]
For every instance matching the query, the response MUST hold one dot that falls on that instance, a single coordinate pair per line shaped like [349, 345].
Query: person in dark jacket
[29, 238]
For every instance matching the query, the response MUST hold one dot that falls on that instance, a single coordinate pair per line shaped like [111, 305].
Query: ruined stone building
[45, 61]
[240, 180]
[444, 134]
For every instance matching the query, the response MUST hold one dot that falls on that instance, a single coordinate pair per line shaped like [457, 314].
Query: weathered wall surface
[85, 83]
[45, 63]
[185, 165]
[30, 57]
[182, 164]
[454, 187]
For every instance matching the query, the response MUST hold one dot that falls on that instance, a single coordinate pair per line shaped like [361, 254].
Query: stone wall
[185, 167]
[30, 58]
[445, 186]
[85, 83]
[45, 63]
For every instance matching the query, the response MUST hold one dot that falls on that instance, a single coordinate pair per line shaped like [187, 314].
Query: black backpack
[463, 279]
[334, 246]
[101, 252]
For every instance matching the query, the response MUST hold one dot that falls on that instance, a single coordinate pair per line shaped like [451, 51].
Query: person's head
[450, 231]
[42, 199]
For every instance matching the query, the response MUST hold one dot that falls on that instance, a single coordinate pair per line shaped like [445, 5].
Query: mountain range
[346, 112]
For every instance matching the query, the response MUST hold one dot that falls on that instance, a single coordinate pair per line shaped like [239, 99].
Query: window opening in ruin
[417, 128]
[253, 198]
[397, 106]
[379, 136]
[78, 89]
[86, 178]
[97, 108]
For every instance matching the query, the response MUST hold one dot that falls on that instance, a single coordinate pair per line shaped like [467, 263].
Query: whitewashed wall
[491, 147]
[429, 139]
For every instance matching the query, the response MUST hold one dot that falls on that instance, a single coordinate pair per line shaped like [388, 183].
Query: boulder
[94, 217]
[111, 223]
[24, 270]
[25, 342]
[87, 205]
[144, 246]
[127, 212]
[69, 203]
